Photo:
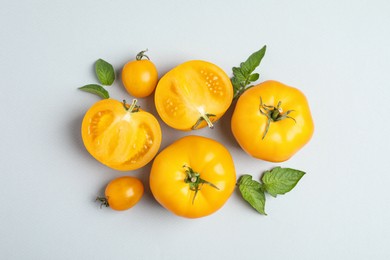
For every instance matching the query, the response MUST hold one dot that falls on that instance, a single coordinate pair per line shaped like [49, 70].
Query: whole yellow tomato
[193, 95]
[193, 177]
[121, 137]
[272, 121]
[122, 193]
[140, 76]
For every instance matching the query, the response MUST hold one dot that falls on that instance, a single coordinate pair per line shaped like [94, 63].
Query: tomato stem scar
[273, 114]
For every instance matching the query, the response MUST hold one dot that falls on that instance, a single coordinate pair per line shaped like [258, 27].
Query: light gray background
[336, 52]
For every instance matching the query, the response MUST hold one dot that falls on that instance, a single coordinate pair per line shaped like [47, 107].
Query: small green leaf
[95, 89]
[279, 180]
[238, 74]
[105, 72]
[252, 192]
[242, 76]
[254, 77]
[254, 60]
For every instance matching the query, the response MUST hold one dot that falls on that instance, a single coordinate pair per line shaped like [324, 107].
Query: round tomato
[272, 121]
[120, 136]
[193, 177]
[193, 95]
[140, 76]
[122, 193]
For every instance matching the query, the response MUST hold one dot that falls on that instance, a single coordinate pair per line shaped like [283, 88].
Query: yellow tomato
[272, 121]
[121, 137]
[193, 95]
[193, 177]
[122, 193]
[140, 76]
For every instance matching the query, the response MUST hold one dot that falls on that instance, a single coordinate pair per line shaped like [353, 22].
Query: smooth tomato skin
[285, 137]
[118, 138]
[124, 192]
[190, 90]
[205, 156]
[140, 78]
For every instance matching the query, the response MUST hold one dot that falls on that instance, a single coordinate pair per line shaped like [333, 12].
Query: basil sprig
[243, 76]
[106, 75]
[275, 182]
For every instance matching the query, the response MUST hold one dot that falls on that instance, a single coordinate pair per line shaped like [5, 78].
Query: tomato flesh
[118, 138]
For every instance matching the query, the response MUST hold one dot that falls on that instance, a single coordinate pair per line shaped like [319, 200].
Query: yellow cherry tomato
[272, 121]
[121, 137]
[140, 76]
[122, 193]
[193, 177]
[193, 95]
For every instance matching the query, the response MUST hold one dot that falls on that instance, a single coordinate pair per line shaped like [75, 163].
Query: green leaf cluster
[243, 76]
[277, 181]
[106, 75]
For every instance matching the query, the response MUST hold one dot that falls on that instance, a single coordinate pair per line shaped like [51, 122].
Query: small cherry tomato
[122, 193]
[193, 177]
[140, 76]
[193, 95]
[272, 121]
[120, 136]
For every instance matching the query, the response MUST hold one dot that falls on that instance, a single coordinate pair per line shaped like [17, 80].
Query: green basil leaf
[252, 192]
[279, 180]
[95, 89]
[105, 72]
[253, 61]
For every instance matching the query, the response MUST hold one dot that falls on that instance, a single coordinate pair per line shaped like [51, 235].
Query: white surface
[336, 52]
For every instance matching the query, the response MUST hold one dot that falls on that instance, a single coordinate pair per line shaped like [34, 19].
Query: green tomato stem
[141, 55]
[194, 181]
[273, 114]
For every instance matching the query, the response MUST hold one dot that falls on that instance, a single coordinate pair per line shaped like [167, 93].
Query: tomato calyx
[103, 201]
[133, 107]
[195, 181]
[204, 117]
[141, 55]
[273, 114]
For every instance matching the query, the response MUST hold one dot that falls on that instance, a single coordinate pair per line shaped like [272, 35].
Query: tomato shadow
[74, 127]
[224, 127]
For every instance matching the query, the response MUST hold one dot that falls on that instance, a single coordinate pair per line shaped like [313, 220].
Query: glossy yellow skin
[140, 78]
[285, 137]
[118, 138]
[205, 156]
[124, 192]
[191, 90]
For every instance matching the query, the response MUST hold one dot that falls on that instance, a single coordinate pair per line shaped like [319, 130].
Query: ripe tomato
[193, 95]
[140, 76]
[272, 121]
[121, 137]
[122, 193]
[193, 177]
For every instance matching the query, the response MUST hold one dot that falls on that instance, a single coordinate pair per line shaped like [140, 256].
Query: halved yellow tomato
[120, 136]
[193, 95]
